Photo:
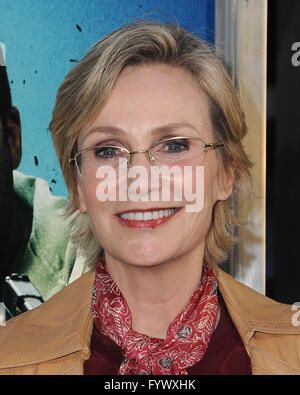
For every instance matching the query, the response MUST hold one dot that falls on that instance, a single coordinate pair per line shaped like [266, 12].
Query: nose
[139, 173]
[139, 158]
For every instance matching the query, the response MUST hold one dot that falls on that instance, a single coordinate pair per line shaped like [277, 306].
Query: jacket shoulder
[270, 330]
[51, 330]
[255, 308]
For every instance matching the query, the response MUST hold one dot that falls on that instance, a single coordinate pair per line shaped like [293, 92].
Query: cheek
[87, 197]
[98, 212]
[211, 189]
[201, 184]
[206, 189]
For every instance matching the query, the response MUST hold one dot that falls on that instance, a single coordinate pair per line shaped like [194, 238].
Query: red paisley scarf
[187, 336]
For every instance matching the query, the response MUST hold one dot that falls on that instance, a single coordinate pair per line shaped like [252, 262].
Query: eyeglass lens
[180, 152]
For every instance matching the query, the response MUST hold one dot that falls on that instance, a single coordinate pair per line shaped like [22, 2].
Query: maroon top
[225, 354]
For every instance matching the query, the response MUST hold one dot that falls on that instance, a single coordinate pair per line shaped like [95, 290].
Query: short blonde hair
[89, 84]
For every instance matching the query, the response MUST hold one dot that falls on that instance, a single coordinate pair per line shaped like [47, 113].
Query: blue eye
[105, 152]
[176, 146]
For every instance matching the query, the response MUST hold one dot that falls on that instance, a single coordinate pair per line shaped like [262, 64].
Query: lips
[149, 218]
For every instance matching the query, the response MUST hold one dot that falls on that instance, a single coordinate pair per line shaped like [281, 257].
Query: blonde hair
[89, 84]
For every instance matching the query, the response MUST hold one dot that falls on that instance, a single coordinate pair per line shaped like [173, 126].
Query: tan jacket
[55, 337]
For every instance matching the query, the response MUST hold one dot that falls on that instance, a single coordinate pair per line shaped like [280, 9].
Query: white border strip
[241, 33]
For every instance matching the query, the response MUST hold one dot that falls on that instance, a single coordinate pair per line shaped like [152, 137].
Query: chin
[145, 255]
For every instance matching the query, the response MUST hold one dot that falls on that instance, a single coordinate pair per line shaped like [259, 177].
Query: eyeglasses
[180, 151]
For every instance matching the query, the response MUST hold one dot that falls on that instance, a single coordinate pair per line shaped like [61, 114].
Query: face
[145, 101]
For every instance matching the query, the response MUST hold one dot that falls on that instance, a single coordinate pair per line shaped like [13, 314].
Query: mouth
[150, 218]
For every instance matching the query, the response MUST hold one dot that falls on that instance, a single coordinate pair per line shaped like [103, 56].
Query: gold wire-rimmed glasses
[179, 150]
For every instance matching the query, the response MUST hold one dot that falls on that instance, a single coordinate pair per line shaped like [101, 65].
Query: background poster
[43, 40]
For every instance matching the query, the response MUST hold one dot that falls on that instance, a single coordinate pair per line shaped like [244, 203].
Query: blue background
[42, 37]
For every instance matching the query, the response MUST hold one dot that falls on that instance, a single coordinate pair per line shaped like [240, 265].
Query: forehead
[146, 98]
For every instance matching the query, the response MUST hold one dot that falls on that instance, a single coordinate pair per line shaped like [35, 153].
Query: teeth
[138, 216]
[148, 215]
[155, 215]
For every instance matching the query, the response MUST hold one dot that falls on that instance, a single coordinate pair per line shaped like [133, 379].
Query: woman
[151, 94]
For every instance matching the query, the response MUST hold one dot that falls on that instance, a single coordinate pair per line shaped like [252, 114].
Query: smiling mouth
[147, 218]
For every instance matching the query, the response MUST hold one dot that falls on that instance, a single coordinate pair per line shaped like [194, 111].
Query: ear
[80, 199]
[14, 136]
[225, 181]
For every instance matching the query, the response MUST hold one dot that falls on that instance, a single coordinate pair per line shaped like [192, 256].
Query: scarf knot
[187, 337]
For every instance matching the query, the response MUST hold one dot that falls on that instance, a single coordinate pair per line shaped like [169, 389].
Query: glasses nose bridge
[142, 151]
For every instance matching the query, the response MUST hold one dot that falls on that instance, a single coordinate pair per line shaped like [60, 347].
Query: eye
[105, 152]
[176, 146]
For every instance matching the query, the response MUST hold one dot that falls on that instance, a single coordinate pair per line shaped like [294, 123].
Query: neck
[157, 294]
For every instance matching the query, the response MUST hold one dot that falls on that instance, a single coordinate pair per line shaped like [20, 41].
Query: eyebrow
[168, 128]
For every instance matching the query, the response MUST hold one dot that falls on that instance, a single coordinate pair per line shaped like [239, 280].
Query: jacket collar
[249, 310]
[253, 312]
